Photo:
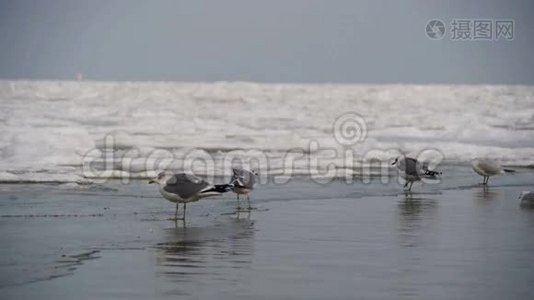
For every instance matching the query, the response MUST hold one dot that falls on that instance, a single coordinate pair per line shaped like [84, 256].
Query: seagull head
[161, 178]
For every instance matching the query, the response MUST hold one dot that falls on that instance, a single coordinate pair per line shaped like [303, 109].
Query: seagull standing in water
[411, 170]
[487, 168]
[242, 183]
[184, 188]
[527, 199]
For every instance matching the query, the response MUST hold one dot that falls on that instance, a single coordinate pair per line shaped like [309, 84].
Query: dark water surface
[303, 241]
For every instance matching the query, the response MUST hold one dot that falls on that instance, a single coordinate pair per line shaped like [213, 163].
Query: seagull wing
[185, 185]
[411, 167]
[487, 167]
[527, 197]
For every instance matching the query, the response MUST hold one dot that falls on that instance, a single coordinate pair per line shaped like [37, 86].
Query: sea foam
[49, 129]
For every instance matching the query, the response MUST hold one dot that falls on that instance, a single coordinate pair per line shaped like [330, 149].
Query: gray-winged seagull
[411, 170]
[242, 183]
[527, 199]
[185, 188]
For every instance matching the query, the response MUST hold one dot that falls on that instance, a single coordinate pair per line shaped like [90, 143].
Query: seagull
[487, 168]
[412, 170]
[242, 183]
[527, 199]
[185, 188]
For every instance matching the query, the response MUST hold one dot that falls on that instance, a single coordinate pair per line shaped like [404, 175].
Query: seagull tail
[508, 171]
[431, 173]
[218, 188]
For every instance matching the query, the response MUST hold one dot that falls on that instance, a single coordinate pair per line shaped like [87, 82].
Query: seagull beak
[151, 181]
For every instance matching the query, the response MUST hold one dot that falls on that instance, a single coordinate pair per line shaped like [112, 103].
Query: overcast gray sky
[366, 41]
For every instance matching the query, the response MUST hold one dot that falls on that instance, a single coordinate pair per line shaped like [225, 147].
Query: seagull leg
[183, 218]
[406, 184]
[176, 212]
[238, 206]
[248, 200]
[410, 188]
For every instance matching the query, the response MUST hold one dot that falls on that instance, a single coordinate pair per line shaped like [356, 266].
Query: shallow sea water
[303, 240]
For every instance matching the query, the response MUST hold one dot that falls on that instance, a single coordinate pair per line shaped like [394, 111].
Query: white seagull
[185, 188]
[527, 199]
[242, 183]
[487, 168]
[411, 170]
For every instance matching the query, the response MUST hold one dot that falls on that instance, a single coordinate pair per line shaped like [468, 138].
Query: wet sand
[303, 240]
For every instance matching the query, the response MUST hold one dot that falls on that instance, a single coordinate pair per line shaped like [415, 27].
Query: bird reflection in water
[413, 211]
[205, 254]
[485, 194]
[415, 216]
